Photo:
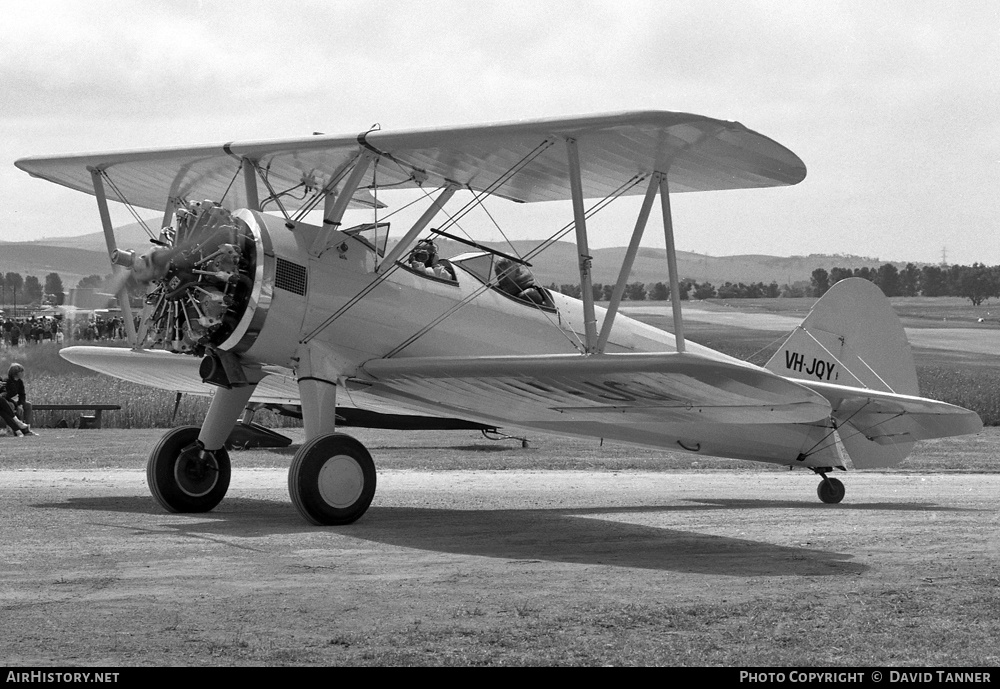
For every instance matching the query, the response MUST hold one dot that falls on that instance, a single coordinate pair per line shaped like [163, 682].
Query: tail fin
[853, 338]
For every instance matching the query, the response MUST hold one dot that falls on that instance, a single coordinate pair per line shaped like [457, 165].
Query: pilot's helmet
[425, 251]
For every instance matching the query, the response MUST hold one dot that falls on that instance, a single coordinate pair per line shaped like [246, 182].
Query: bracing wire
[239, 168]
[453, 219]
[857, 431]
[815, 448]
[593, 210]
[600, 205]
[770, 344]
[131, 209]
[506, 176]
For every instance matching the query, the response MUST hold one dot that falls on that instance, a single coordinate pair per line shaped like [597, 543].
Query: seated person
[424, 259]
[17, 427]
[516, 280]
[13, 403]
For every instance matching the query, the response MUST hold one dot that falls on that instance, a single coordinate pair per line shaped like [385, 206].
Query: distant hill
[39, 260]
[558, 264]
[74, 258]
[77, 257]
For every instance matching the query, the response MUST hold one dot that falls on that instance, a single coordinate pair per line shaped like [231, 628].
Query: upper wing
[700, 154]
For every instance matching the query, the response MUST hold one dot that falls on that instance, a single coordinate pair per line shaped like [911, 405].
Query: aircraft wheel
[332, 480]
[183, 477]
[831, 491]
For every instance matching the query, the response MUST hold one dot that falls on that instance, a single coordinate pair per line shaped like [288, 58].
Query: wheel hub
[196, 472]
[341, 481]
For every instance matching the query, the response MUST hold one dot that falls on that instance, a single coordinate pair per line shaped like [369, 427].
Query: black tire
[332, 480]
[185, 478]
[831, 491]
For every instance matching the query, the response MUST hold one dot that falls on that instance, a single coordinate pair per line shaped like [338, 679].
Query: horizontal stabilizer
[879, 429]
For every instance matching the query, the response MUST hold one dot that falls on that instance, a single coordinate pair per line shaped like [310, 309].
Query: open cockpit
[506, 275]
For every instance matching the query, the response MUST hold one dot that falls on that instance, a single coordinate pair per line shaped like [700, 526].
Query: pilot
[515, 279]
[424, 259]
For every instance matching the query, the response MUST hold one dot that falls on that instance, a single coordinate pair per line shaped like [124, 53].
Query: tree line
[689, 289]
[976, 283]
[30, 291]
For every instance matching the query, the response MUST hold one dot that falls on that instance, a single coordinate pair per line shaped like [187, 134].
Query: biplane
[258, 290]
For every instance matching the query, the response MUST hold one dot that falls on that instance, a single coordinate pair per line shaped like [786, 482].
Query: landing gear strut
[183, 476]
[332, 480]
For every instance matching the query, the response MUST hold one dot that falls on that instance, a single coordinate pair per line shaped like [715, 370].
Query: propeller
[197, 279]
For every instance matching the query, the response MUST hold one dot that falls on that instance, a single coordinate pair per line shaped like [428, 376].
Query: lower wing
[678, 401]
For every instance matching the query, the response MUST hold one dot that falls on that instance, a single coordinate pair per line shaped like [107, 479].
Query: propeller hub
[123, 257]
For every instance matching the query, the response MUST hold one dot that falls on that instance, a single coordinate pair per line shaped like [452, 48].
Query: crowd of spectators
[31, 330]
[99, 328]
[15, 332]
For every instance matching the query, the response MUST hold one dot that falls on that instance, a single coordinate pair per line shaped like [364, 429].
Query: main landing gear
[183, 476]
[331, 480]
[830, 490]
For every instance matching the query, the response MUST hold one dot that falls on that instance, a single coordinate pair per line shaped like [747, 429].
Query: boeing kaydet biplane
[269, 308]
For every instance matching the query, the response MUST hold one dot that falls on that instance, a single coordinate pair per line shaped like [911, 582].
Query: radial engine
[201, 276]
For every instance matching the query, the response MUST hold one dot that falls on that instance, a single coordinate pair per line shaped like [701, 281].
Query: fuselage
[348, 312]
[409, 314]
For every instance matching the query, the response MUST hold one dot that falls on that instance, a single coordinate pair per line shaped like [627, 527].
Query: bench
[86, 421]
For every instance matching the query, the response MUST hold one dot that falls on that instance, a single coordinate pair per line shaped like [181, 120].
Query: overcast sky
[893, 105]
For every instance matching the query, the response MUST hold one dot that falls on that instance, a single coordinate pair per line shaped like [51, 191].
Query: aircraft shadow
[579, 536]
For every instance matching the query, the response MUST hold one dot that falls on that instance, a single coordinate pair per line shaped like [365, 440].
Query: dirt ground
[503, 567]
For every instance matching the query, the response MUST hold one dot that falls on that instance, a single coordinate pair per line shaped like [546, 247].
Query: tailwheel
[831, 490]
[185, 477]
[332, 480]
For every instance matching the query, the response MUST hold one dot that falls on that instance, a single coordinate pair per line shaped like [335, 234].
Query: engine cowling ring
[217, 288]
[255, 312]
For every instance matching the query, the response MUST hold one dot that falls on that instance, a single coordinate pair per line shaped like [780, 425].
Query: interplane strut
[109, 238]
